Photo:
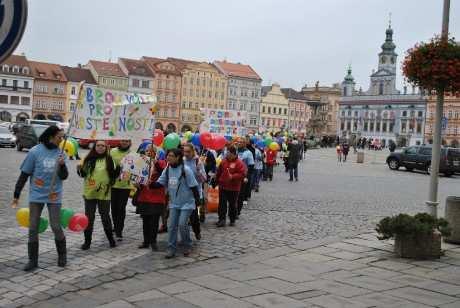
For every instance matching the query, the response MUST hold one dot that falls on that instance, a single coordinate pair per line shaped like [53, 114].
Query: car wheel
[393, 164]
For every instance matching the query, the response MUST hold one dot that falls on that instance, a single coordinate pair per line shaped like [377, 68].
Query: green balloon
[66, 214]
[171, 141]
[75, 143]
[43, 225]
[268, 141]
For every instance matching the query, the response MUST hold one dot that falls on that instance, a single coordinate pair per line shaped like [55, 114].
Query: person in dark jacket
[345, 150]
[293, 160]
[43, 163]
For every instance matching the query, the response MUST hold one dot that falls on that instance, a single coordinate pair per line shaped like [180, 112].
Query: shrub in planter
[416, 236]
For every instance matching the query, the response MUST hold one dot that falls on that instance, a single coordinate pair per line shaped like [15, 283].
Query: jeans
[293, 171]
[269, 172]
[103, 206]
[178, 221]
[150, 228]
[256, 178]
[54, 212]
[119, 199]
[227, 198]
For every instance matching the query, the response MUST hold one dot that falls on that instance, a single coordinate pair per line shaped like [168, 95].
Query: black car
[419, 158]
[27, 136]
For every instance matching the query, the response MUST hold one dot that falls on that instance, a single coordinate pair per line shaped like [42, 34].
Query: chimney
[79, 65]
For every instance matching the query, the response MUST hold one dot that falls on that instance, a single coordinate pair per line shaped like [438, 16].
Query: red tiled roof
[237, 70]
[13, 60]
[154, 64]
[47, 71]
[136, 67]
[181, 63]
[107, 68]
[76, 74]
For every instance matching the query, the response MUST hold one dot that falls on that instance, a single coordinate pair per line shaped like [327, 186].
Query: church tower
[348, 84]
[383, 81]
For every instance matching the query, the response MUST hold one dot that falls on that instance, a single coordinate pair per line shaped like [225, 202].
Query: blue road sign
[13, 18]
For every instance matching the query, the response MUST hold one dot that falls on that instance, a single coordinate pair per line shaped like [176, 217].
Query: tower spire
[389, 20]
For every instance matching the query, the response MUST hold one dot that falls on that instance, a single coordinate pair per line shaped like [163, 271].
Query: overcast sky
[292, 42]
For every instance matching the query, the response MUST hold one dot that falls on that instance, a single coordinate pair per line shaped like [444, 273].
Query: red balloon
[206, 139]
[219, 142]
[78, 222]
[158, 137]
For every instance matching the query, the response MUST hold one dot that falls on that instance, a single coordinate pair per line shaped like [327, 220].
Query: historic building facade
[451, 118]
[49, 92]
[382, 113]
[244, 89]
[167, 87]
[299, 113]
[108, 75]
[74, 76]
[16, 89]
[327, 110]
[274, 116]
[203, 86]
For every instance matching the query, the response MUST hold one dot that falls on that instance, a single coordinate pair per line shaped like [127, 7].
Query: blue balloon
[229, 138]
[161, 155]
[196, 140]
[253, 139]
[261, 144]
[143, 146]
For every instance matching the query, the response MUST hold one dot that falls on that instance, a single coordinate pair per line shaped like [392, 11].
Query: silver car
[7, 139]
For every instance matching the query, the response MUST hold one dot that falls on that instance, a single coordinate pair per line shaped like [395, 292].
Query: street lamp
[432, 202]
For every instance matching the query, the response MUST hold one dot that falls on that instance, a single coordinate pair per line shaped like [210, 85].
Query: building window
[274, 110]
[348, 126]
[3, 82]
[73, 91]
[136, 83]
[403, 126]
[366, 126]
[14, 100]
[270, 109]
[419, 128]
[197, 106]
[145, 84]
[381, 88]
[371, 127]
[263, 109]
[420, 114]
[26, 84]
[404, 114]
[15, 84]
[384, 127]
[184, 105]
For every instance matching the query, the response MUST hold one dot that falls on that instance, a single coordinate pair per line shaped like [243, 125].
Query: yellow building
[108, 75]
[274, 113]
[203, 86]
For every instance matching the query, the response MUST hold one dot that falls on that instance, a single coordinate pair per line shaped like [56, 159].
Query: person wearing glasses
[40, 166]
[99, 173]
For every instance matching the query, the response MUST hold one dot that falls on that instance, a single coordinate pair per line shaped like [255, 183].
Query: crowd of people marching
[173, 199]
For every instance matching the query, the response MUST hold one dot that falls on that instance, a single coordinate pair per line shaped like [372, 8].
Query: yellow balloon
[218, 161]
[274, 146]
[69, 148]
[22, 216]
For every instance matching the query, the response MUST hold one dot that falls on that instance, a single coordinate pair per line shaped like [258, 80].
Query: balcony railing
[15, 89]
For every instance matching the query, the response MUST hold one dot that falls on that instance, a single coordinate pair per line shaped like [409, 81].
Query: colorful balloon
[78, 222]
[261, 144]
[228, 137]
[196, 140]
[74, 142]
[161, 155]
[206, 139]
[218, 142]
[43, 225]
[69, 148]
[66, 215]
[171, 141]
[268, 141]
[22, 216]
[158, 137]
[273, 146]
[188, 135]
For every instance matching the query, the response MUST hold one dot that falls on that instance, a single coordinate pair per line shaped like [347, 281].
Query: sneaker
[232, 224]
[170, 255]
[198, 236]
[187, 252]
[154, 247]
[296, 179]
[245, 203]
[143, 246]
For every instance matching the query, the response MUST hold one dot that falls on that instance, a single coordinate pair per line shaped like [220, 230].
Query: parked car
[88, 143]
[419, 158]
[7, 139]
[27, 135]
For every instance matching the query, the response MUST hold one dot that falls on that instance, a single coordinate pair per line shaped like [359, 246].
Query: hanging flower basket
[434, 65]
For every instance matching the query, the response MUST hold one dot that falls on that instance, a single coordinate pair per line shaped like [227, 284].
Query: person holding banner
[40, 166]
[120, 190]
[192, 161]
[184, 197]
[229, 177]
[151, 201]
[99, 173]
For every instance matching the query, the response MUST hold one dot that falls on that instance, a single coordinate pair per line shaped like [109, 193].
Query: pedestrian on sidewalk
[151, 202]
[184, 197]
[345, 150]
[270, 161]
[192, 161]
[258, 166]
[293, 159]
[120, 190]
[230, 174]
[40, 166]
[338, 149]
[99, 173]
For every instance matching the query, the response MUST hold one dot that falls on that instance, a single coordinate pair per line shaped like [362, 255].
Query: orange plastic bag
[213, 200]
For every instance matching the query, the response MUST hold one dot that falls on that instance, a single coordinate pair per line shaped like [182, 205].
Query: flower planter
[420, 246]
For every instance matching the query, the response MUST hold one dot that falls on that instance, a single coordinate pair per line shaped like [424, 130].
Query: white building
[15, 89]
[382, 112]
[139, 74]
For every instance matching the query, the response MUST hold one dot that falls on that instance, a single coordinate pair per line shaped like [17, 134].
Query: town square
[137, 173]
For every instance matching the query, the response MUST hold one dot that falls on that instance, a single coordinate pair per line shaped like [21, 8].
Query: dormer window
[6, 68]
[25, 70]
[15, 69]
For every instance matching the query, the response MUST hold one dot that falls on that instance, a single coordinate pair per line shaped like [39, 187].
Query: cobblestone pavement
[330, 200]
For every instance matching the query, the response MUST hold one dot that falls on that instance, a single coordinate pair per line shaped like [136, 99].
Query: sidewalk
[359, 271]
